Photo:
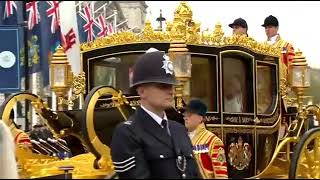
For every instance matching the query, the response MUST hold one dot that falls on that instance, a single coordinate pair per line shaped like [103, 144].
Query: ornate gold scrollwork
[257, 120]
[315, 109]
[78, 88]
[217, 35]
[285, 86]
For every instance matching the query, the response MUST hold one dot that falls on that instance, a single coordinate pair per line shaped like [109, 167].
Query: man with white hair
[233, 100]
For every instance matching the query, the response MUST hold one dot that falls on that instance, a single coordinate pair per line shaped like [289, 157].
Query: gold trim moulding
[164, 37]
[125, 38]
[245, 126]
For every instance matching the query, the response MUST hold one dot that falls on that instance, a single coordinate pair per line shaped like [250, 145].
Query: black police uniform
[140, 147]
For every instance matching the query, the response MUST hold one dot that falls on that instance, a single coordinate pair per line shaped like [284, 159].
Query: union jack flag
[110, 28]
[88, 27]
[102, 26]
[68, 40]
[34, 17]
[9, 8]
[54, 12]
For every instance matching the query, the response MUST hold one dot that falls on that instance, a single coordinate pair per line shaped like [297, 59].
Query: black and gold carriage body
[256, 123]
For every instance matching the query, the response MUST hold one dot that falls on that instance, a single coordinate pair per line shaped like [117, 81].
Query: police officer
[148, 144]
[239, 26]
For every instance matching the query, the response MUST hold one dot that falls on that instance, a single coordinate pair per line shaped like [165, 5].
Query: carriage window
[265, 89]
[113, 71]
[203, 84]
[237, 84]
[107, 76]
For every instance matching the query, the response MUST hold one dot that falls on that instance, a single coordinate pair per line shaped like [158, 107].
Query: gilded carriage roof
[185, 28]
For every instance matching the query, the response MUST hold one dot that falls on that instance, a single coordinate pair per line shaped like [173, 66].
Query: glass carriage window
[266, 89]
[107, 76]
[113, 71]
[203, 84]
[237, 83]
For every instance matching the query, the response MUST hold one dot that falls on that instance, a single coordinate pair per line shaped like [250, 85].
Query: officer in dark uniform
[149, 145]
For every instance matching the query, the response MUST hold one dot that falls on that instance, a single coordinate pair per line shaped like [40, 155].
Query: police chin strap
[181, 160]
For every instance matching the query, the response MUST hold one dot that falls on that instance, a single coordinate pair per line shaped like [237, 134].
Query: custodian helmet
[153, 67]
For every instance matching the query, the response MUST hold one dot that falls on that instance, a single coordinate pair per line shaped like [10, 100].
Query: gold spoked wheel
[305, 162]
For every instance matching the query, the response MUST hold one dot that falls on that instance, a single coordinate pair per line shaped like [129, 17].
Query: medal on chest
[200, 148]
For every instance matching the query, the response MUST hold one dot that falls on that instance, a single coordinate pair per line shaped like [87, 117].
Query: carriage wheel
[305, 162]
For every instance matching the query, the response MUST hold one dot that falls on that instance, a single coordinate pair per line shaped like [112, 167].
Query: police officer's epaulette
[128, 122]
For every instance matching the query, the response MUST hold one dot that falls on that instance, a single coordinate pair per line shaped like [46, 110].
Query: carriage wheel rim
[299, 158]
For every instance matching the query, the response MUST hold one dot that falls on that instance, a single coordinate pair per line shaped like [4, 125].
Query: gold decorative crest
[239, 154]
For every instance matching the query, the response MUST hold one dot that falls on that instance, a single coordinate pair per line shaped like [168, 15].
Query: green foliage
[314, 89]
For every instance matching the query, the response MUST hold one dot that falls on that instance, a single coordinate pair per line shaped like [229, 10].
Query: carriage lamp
[60, 75]
[300, 72]
[299, 76]
[181, 59]
[300, 81]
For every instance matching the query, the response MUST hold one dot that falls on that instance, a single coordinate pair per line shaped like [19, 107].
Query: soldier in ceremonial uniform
[271, 25]
[148, 144]
[207, 147]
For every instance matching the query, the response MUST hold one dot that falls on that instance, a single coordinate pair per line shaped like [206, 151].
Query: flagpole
[35, 85]
[25, 40]
[115, 21]
[92, 9]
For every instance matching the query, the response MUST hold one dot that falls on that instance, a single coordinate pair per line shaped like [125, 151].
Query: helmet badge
[167, 65]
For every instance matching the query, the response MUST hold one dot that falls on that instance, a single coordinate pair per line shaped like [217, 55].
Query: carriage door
[237, 98]
[268, 111]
